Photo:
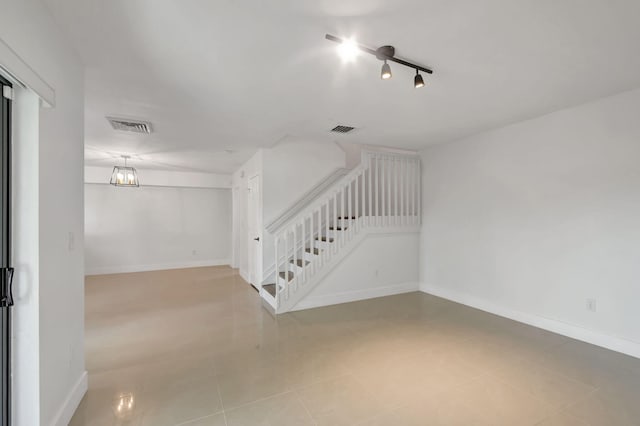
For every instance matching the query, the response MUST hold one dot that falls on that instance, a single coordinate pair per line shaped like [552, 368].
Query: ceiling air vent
[128, 125]
[342, 129]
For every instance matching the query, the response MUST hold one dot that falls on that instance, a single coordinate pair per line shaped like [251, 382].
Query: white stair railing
[383, 191]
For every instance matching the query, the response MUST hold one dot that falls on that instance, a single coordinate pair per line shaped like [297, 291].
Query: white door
[253, 231]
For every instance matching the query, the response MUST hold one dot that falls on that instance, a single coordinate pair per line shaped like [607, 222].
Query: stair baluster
[383, 191]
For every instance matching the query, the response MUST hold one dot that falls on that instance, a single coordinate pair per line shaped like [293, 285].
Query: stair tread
[346, 217]
[271, 289]
[299, 262]
[289, 275]
[325, 239]
[315, 251]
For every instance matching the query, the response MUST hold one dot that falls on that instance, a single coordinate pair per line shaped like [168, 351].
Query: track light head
[385, 74]
[348, 50]
[418, 82]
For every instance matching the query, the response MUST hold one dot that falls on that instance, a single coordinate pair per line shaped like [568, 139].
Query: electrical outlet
[194, 252]
[591, 305]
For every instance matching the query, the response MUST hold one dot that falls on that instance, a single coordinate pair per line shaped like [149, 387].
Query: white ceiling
[237, 75]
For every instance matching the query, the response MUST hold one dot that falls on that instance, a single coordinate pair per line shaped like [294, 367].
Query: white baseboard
[244, 275]
[353, 296]
[102, 270]
[573, 331]
[71, 402]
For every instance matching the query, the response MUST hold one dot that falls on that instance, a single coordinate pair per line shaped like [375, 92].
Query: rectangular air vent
[342, 129]
[128, 125]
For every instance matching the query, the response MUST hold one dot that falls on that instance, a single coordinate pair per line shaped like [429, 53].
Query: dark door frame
[6, 272]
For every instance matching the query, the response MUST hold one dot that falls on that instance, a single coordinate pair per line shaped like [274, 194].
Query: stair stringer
[364, 232]
[269, 299]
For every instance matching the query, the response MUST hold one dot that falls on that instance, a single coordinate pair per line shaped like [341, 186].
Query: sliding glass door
[6, 272]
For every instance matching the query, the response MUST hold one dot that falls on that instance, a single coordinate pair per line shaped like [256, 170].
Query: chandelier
[124, 175]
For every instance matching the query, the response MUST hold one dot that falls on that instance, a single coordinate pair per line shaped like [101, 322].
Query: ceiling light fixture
[384, 53]
[418, 82]
[124, 176]
[348, 50]
[385, 74]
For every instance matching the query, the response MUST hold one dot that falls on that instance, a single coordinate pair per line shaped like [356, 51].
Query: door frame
[254, 218]
[5, 253]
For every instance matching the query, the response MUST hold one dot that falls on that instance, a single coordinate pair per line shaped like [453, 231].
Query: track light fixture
[385, 74]
[418, 82]
[384, 53]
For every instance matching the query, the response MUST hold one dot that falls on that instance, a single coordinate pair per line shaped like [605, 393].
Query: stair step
[271, 289]
[346, 217]
[315, 251]
[337, 228]
[325, 239]
[299, 262]
[289, 275]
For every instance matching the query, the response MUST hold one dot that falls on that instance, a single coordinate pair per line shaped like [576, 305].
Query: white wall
[287, 171]
[151, 228]
[533, 219]
[149, 177]
[290, 170]
[383, 264]
[54, 169]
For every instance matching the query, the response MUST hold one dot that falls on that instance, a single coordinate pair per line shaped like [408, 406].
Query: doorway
[254, 232]
[6, 272]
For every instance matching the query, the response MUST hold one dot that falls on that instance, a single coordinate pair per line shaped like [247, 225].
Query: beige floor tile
[100, 408]
[106, 390]
[180, 400]
[308, 368]
[562, 419]
[374, 347]
[488, 353]
[280, 410]
[211, 350]
[551, 387]
[602, 408]
[494, 402]
[592, 365]
[214, 420]
[239, 388]
[416, 377]
[436, 410]
[341, 401]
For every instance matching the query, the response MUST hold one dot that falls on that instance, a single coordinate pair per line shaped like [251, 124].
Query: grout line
[219, 394]
[224, 413]
[299, 398]
[186, 422]
[584, 398]
[531, 395]
[259, 400]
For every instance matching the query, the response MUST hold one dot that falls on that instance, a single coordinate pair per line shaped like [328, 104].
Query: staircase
[381, 195]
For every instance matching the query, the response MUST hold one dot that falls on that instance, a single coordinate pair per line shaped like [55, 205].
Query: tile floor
[195, 347]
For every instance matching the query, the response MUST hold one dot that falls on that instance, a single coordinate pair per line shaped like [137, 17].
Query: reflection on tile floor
[195, 347]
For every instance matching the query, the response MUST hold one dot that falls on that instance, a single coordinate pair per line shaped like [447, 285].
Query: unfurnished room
[333, 212]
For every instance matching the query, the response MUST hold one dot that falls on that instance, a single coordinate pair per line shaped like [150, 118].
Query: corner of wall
[71, 402]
